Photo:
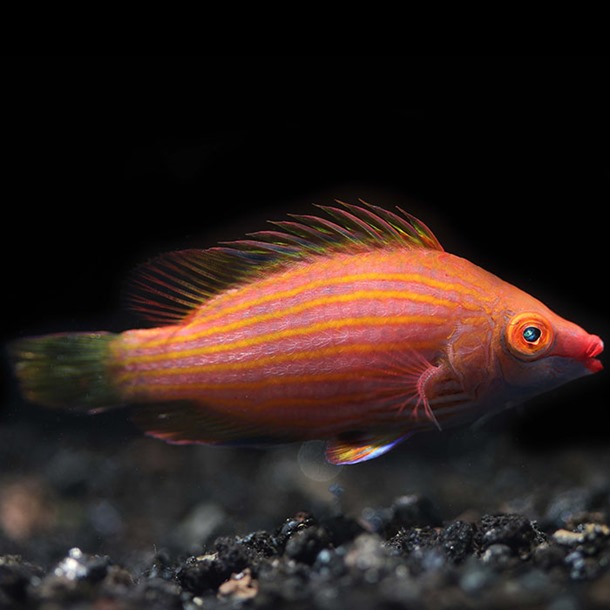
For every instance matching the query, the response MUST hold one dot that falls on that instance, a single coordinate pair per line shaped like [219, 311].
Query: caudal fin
[70, 370]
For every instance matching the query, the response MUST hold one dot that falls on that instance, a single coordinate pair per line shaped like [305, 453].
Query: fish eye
[531, 334]
[528, 336]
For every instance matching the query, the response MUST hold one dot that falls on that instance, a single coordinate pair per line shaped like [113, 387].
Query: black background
[107, 161]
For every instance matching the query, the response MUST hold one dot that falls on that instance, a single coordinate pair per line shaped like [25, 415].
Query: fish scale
[351, 318]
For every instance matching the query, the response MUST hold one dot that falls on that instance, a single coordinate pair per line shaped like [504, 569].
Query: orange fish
[356, 328]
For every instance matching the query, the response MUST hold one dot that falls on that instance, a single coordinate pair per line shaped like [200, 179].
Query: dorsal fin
[170, 287]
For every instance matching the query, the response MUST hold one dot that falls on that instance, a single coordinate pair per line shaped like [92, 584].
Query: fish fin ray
[170, 287]
[67, 370]
[353, 450]
[408, 374]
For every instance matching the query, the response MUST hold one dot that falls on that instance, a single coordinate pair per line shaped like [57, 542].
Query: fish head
[540, 350]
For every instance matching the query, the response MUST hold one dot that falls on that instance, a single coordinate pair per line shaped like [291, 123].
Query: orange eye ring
[529, 336]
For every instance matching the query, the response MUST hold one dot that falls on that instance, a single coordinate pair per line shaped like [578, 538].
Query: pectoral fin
[360, 448]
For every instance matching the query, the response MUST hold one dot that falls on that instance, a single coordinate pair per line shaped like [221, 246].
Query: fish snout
[577, 345]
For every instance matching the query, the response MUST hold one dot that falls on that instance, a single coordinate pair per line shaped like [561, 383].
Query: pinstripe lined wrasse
[355, 327]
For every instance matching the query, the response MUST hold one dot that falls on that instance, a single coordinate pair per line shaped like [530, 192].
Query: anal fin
[185, 422]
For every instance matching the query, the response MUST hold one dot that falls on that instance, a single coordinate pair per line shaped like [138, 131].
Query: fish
[353, 326]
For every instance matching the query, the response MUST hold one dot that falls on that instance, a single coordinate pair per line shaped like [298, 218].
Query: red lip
[595, 348]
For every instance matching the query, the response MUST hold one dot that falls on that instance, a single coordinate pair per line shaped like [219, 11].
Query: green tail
[70, 371]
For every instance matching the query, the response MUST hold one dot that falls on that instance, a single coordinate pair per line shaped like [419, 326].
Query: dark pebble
[549, 555]
[294, 524]
[512, 530]
[15, 578]
[341, 529]
[305, 544]
[206, 573]
[457, 540]
[199, 575]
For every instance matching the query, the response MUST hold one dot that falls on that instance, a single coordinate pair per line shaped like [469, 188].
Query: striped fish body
[360, 332]
[324, 348]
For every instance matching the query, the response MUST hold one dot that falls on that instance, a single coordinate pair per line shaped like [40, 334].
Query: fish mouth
[594, 349]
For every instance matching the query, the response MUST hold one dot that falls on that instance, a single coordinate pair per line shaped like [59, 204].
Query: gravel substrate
[94, 516]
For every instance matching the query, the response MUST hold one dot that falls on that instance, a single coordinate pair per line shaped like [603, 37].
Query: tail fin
[70, 370]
